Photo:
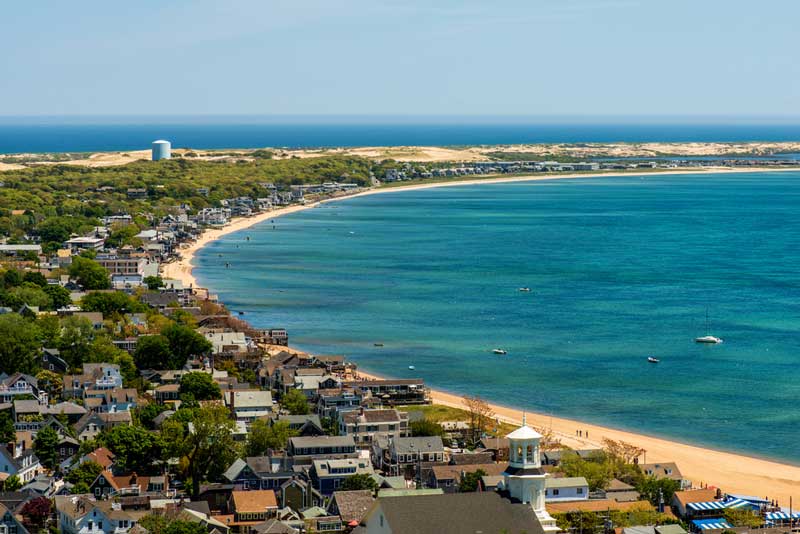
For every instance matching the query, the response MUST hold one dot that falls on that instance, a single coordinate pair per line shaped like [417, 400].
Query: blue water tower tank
[161, 150]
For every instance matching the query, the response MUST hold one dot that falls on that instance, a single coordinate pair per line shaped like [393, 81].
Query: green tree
[651, 486]
[32, 295]
[596, 473]
[152, 352]
[360, 481]
[46, 447]
[200, 385]
[81, 488]
[295, 401]
[147, 413]
[20, 346]
[743, 517]
[59, 295]
[471, 481]
[85, 473]
[111, 303]
[7, 432]
[89, 273]
[426, 427]
[51, 382]
[36, 278]
[76, 338]
[185, 343]
[134, 447]
[209, 449]
[12, 278]
[12, 483]
[263, 437]
[153, 282]
[160, 524]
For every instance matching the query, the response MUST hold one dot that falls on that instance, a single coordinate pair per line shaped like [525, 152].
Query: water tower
[161, 150]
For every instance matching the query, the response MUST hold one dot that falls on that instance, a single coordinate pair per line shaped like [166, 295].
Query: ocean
[32, 134]
[619, 269]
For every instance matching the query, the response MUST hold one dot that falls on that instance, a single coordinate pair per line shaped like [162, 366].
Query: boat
[377, 344]
[708, 339]
[241, 313]
[499, 351]
[525, 290]
[653, 359]
[411, 367]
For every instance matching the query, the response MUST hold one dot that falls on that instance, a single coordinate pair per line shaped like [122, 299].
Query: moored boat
[500, 351]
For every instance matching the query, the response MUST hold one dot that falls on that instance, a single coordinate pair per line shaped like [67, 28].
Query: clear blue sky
[517, 57]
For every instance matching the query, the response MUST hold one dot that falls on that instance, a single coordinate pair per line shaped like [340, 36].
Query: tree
[361, 481]
[426, 427]
[264, 437]
[32, 295]
[59, 295]
[650, 488]
[134, 447]
[596, 473]
[89, 273]
[160, 524]
[152, 352]
[46, 447]
[12, 278]
[743, 517]
[19, 350]
[471, 481]
[209, 448]
[7, 432]
[153, 282]
[35, 277]
[148, 413]
[480, 416]
[81, 488]
[84, 473]
[295, 401]
[185, 343]
[12, 483]
[115, 302]
[76, 338]
[36, 511]
[200, 385]
[51, 382]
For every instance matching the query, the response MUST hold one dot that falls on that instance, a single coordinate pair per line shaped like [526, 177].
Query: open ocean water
[619, 268]
[92, 134]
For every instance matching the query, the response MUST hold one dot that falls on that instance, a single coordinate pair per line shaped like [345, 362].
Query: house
[682, 499]
[666, 470]
[566, 489]
[303, 449]
[298, 494]
[454, 513]
[621, 492]
[249, 508]
[448, 477]
[107, 484]
[406, 391]
[404, 454]
[324, 523]
[20, 461]
[227, 342]
[101, 456]
[80, 514]
[17, 384]
[9, 524]
[95, 376]
[89, 426]
[249, 404]
[331, 403]
[167, 393]
[260, 472]
[273, 526]
[351, 506]
[52, 361]
[78, 244]
[310, 381]
[328, 475]
[304, 425]
[367, 425]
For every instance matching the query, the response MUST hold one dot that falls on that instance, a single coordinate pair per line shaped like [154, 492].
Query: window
[580, 491]
[555, 492]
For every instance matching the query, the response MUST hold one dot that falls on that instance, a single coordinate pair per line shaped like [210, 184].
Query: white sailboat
[708, 339]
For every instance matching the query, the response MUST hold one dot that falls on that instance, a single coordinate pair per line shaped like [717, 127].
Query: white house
[566, 489]
[24, 465]
[249, 404]
[80, 514]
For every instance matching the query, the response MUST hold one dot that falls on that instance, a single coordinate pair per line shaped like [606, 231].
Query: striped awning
[781, 516]
[717, 505]
[711, 524]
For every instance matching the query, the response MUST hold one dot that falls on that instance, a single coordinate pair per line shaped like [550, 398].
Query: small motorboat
[377, 344]
[709, 340]
[411, 367]
[241, 313]
[524, 290]
[653, 359]
[499, 351]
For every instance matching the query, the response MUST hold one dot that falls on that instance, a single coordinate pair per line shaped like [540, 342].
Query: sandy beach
[734, 473]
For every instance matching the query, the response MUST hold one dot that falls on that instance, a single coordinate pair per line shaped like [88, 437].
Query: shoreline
[735, 473]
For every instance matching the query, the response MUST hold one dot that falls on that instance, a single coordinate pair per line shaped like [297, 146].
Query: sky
[401, 57]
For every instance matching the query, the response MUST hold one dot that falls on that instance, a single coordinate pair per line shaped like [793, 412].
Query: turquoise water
[619, 268]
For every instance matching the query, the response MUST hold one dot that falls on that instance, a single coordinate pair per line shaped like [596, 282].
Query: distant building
[161, 150]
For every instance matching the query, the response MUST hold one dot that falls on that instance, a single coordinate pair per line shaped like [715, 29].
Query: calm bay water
[619, 268]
